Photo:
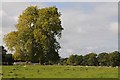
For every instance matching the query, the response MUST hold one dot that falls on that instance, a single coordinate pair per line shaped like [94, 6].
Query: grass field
[38, 71]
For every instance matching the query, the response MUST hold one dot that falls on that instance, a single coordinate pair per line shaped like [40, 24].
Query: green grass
[38, 71]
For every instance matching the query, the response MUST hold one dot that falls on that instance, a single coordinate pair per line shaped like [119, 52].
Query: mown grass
[39, 71]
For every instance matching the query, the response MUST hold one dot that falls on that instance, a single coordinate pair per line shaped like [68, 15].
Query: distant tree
[3, 51]
[65, 61]
[78, 59]
[84, 62]
[90, 60]
[9, 59]
[71, 60]
[74, 60]
[36, 35]
[6, 58]
[103, 59]
[114, 58]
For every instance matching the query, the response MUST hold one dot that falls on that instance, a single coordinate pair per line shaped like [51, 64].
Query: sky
[88, 26]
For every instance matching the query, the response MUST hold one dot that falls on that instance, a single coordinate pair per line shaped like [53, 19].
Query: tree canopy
[36, 35]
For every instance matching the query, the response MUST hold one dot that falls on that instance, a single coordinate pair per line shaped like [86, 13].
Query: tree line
[93, 59]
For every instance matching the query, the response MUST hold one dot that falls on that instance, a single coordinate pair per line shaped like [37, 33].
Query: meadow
[55, 71]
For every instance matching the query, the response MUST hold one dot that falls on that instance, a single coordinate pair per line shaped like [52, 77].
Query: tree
[36, 35]
[114, 58]
[103, 59]
[90, 60]
[6, 58]
[74, 60]
[63, 61]
[79, 59]
[71, 60]
[9, 59]
[17, 56]
[3, 51]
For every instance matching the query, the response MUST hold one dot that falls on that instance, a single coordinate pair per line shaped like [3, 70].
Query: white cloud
[0, 12]
[92, 48]
[114, 27]
[69, 50]
[16, 18]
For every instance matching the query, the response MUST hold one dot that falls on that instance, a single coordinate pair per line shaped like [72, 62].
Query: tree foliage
[114, 58]
[7, 59]
[3, 52]
[90, 59]
[74, 60]
[103, 59]
[36, 35]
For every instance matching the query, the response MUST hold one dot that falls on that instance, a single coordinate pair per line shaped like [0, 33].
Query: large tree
[36, 36]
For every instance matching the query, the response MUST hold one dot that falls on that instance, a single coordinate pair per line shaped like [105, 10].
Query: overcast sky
[88, 27]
